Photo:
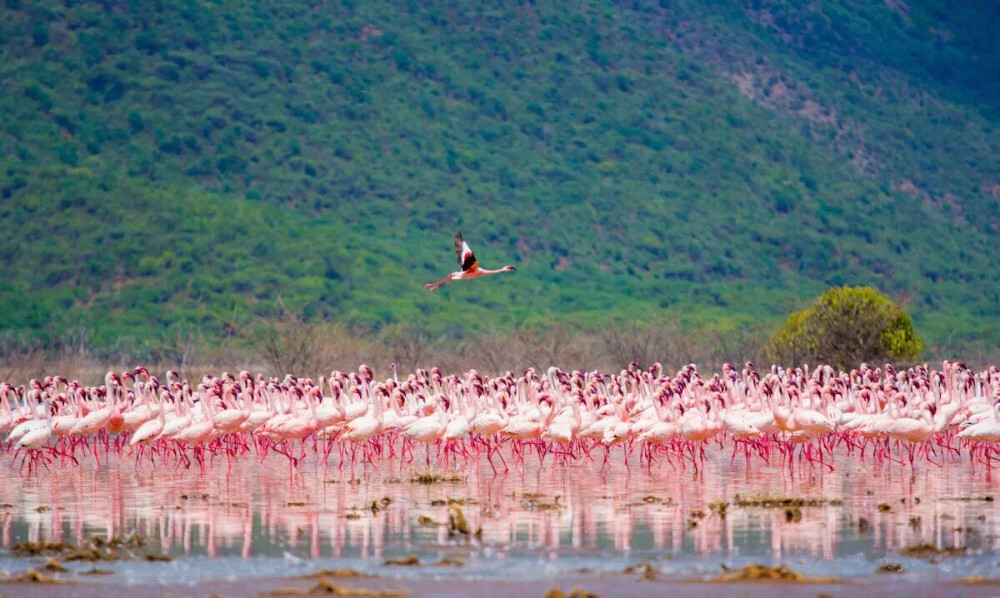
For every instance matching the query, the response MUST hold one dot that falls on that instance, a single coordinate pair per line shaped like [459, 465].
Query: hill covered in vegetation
[185, 165]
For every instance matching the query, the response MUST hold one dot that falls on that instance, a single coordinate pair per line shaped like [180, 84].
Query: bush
[290, 343]
[844, 327]
[40, 34]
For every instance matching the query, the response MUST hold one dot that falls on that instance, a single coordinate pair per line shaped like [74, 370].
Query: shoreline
[604, 585]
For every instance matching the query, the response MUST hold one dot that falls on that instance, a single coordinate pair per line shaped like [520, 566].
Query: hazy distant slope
[198, 159]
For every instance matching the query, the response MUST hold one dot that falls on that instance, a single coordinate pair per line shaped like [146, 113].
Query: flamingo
[469, 266]
[987, 429]
[62, 425]
[659, 433]
[428, 429]
[200, 427]
[37, 435]
[395, 418]
[300, 425]
[229, 420]
[150, 430]
[30, 423]
[96, 420]
[492, 419]
[6, 415]
[362, 428]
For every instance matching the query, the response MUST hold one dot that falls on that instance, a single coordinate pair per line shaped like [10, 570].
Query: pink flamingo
[469, 266]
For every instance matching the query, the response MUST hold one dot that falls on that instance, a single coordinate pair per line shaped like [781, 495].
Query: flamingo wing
[466, 259]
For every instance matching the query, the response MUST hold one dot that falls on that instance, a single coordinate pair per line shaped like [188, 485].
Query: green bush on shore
[847, 326]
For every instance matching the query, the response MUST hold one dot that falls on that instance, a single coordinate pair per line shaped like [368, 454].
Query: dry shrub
[633, 342]
[673, 346]
[409, 347]
[291, 343]
[737, 347]
[295, 346]
[497, 353]
[192, 355]
[20, 357]
[494, 352]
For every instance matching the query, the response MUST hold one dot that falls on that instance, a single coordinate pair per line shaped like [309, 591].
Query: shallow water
[259, 520]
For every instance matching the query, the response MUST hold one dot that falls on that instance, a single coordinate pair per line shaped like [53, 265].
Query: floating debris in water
[377, 506]
[575, 593]
[533, 504]
[784, 501]
[793, 514]
[979, 580]
[40, 548]
[434, 478]
[646, 571]
[656, 500]
[337, 573]
[694, 517]
[32, 576]
[764, 573]
[328, 588]
[96, 548]
[456, 522]
[158, 558]
[926, 549]
[56, 566]
[406, 561]
[889, 568]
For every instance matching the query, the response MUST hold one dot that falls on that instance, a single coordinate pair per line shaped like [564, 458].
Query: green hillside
[176, 165]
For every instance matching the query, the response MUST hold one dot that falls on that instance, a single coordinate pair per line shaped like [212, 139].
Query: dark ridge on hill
[169, 166]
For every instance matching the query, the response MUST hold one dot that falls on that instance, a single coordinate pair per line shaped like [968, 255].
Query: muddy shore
[619, 586]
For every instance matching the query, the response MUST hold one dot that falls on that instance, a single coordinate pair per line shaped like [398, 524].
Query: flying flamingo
[469, 266]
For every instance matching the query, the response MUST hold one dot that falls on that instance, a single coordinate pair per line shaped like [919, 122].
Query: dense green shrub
[847, 326]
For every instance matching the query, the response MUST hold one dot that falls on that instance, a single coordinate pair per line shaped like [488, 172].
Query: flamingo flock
[792, 415]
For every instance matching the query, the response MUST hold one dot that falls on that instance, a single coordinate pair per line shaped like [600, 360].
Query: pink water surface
[260, 519]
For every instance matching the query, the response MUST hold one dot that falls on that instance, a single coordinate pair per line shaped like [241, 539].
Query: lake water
[250, 519]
